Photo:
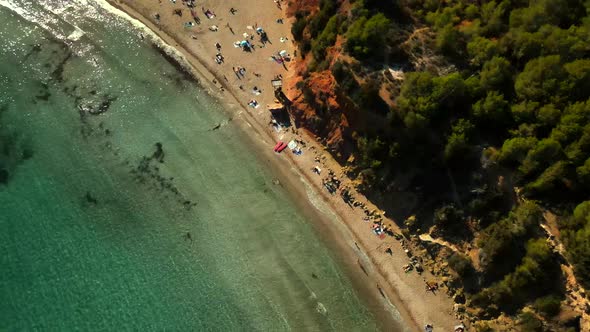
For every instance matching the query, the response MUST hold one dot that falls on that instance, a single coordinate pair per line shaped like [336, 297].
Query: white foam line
[105, 5]
[43, 21]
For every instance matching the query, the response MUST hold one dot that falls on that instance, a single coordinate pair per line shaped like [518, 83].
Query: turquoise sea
[140, 217]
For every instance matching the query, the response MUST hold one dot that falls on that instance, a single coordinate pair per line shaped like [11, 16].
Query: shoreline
[360, 253]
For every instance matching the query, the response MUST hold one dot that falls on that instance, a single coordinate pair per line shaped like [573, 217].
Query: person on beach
[233, 11]
[237, 72]
[230, 29]
[264, 38]
[218, 46]
[219, 58]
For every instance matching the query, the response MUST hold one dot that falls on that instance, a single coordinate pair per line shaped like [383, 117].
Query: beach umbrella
[283, 53]
[243, 43]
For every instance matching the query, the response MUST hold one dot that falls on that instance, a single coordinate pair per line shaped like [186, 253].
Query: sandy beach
[377, 275]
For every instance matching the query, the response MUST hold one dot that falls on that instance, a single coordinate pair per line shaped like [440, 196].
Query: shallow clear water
[99, 232]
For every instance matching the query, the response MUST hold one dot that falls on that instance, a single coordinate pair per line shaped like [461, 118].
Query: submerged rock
[90, 199]
[159, 153]
[3, 176]
[96, 107]
[44, 93]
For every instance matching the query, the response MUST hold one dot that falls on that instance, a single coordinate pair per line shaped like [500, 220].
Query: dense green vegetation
[514, 102]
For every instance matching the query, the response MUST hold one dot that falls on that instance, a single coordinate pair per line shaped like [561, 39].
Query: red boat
[282, 147]
[279, 143]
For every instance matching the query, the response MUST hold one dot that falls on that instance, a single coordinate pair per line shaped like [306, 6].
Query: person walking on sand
[230, 29]
[218, 46]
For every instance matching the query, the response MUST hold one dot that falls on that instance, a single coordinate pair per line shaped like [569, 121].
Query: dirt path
[428, 238]
[576, 294]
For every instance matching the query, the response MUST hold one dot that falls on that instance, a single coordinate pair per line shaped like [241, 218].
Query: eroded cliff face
[324, 106]
[311, 6]
[318, 109]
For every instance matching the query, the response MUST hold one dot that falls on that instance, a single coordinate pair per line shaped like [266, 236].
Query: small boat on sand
[279, 143]
[282, 147]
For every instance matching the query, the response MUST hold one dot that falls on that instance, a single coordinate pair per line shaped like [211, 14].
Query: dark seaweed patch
[178, 80]
[104, 105]
[27, 153]
[95, 107]
[90, 199]
[44, 93]
[58, 72]
[35, 49]
[186, 74]
[159, 153]
[6, 143]
[13, 152]
[3, 176]
[147, 173]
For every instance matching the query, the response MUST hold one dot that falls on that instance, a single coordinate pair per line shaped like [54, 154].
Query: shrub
[545, 153]
[366, 37]
[549, 305]
[530, 323]
[499, 242]
[496, 74]
[547, 182]
[458, 141]
[319, 20]
[299, 26]
[461, 264]
[492, 110]
[325, 39]
[448, 41]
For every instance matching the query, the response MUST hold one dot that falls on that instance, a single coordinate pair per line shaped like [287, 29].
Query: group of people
[219, 58]
[253, 103]
[246, 44]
